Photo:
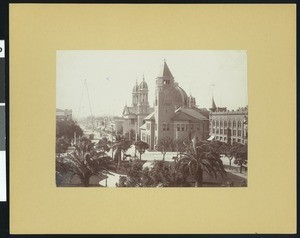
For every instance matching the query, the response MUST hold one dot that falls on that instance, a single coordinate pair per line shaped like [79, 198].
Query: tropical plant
[62, 144]
[180, 145]
[141, 147]
[130, 135]
[160, 175]
[85, 161]
[104, 144]
[164, 145]
[120, 131]
[120, 145]
[199, 158]
[134, 175]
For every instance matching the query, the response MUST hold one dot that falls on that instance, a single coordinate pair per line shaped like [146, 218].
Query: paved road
[153, 155]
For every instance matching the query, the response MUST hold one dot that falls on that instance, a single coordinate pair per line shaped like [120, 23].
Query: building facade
[63, 115]
[174, 115]
[133, 117]
[228, 125]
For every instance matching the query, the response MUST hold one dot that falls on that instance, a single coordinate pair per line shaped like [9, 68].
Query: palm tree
[120, 145]
[85, 161]
[104, 144]
[180, 145]
[199, 158]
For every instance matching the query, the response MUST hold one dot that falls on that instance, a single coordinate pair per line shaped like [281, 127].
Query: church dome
[180, 97]
[143, 85]
[135, 88]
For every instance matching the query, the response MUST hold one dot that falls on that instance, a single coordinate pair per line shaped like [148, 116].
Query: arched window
[239, 124]
[221, 123]
[214, 123]
[217, 123]
[225, 123]
[229, 123]
[234, 124]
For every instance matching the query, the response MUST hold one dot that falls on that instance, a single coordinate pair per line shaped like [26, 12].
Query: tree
[120, 145]
[164, 145]
[67, 129]
[240, 153]
[227, 150]
[85, 161]
[141, 147]
[130, 135]
[62, 144]
[104, 144]
[180, 145]
[160, 175]
[199, 158]
[120, 131]
[134, 175]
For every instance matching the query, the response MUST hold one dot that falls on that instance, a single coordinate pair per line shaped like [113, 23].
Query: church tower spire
[213, 105]
[143, 93]
[164, 75]
[135, 94]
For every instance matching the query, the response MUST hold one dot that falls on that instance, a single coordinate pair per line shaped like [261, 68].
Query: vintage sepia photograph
[151, 118]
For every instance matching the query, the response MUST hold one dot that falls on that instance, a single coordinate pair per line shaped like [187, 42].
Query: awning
[211, 137]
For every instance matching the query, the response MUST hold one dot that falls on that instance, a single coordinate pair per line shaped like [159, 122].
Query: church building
[174, 115]
[134, 116]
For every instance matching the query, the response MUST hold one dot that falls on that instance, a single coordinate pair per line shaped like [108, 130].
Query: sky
[111, 75]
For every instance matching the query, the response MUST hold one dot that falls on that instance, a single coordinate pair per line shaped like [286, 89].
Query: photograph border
[18, 210]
